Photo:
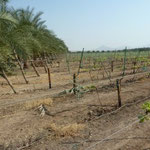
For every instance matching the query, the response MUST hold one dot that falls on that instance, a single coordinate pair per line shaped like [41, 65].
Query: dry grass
[33, 104]
[42, 79]
[68, 130]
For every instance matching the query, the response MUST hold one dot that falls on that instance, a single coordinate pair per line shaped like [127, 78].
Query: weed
[33, 104]
[67, 130]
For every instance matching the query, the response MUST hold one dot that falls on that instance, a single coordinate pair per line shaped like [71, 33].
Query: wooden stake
[49, 78]
[118, 84]
[124, 61]
[68, 65]
[112, 66]
[134, 64]
[103, 74]
[33, 65]
[81, 62]
[9, 83]
[74, 83]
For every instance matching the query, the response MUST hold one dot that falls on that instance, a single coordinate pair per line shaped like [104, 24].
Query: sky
[91, 24]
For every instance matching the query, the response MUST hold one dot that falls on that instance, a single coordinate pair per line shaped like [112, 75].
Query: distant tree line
[102, 51]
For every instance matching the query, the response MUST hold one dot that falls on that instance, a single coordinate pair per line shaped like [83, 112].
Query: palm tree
[28, 25]
[7, 22]
[41, 41]
[25, 35]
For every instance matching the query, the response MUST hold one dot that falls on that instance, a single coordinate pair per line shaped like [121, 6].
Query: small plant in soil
[146, 108]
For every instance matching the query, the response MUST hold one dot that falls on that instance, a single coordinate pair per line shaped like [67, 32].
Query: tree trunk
[9, 83]
[44, 65]
[25, 65]
[33, 65]
[21, 68]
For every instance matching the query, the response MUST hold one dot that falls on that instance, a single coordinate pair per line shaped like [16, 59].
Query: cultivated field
[82, 110]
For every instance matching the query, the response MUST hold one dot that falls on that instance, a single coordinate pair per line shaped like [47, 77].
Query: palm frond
[4, 16]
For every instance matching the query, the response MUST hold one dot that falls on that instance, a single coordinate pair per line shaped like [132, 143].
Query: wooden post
[74, 83]
[103, 74]
[134, 64]
[67, 61]
[112, 66]
[33, 65]
[118, 84]
[49, 78]
[9, 83]
[124, 61]
[80, 63]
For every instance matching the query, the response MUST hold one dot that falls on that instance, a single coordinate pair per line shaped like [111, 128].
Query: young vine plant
[146, 108]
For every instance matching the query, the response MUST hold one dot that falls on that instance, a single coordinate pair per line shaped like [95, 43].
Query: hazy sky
[93, 23]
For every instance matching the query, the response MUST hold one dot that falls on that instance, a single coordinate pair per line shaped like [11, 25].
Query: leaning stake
[118, 84]
[49, 78]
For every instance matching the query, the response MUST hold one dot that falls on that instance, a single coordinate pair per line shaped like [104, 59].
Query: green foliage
[26, 33]
[90, 87]
[6, 61]
[146, 108]
[142, 118]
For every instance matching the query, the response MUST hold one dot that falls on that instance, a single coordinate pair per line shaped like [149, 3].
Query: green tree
[24, 36]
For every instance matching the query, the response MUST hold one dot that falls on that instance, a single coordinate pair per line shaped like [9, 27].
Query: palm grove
[24, 37]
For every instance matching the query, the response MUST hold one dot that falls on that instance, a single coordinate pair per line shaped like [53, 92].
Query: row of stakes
[118, 85]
